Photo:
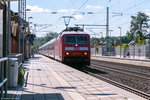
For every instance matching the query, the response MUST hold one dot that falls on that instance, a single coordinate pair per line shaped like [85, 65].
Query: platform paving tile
[51, 80]
[91, 89]
[82, 91]
[92, 98]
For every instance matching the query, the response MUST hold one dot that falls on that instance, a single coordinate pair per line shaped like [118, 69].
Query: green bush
[124, 46]
[21, 76]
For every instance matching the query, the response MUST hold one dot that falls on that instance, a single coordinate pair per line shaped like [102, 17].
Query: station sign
[28, 32]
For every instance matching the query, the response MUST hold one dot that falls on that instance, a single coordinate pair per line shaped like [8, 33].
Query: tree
[129, 36]
[137, 30]
[50, 36]
[39, 41]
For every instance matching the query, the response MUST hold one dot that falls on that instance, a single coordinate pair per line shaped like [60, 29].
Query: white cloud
[148, 14]
[94, 7]
[75, 13]
[37, 9]
[78, 17]
[67, 11]
[147, 11]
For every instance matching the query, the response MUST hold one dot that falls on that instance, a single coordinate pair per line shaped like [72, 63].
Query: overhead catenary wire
[130, 8]
[139, 4]
[59, 19]
[125, 10]
[74, 13]
[98, 12]
[68, 10]
[82, 4]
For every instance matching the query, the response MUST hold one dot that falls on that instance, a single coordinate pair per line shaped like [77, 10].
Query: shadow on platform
[64, 87]
[38, 96]
[103, 94]
[35, 58]
[59, 88]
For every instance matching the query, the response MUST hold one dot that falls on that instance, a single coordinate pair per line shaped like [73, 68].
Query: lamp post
[29, 18]
[101, 34]
[110, 32]
[110, 46]
[120, 39]
[29, 24]
[29, 33]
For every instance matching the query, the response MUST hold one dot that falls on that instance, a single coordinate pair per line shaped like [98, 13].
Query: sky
[120, 12]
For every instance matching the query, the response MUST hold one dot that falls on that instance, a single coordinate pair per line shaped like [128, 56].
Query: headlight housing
[85, 53]
[67, 53]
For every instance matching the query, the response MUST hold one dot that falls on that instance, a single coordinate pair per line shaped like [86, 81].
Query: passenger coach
[71, 46]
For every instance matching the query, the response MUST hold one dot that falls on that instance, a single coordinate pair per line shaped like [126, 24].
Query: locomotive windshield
[76, 39]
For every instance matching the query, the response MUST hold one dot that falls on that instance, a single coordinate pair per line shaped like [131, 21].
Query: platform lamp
[29, 18]
[110, 45]
[120, 39]
[29, 24]
[101, 34]
[28, 32]
[110, 32]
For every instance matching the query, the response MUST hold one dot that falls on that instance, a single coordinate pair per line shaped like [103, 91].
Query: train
[71, 46]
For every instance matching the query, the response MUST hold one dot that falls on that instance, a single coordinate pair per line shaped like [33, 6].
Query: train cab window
[70, 39]
[76, 39]
[82, 39]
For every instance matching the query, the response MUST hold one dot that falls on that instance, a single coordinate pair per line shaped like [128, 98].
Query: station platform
[52, 80]
[130, 61]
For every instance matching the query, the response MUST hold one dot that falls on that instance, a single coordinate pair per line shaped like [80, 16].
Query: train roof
[75, 29]
[47, 43]
[72, 32]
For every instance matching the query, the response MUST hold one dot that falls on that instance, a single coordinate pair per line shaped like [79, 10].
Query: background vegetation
[39, 41]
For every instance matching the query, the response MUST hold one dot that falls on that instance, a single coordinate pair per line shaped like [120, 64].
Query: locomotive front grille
[76, 59]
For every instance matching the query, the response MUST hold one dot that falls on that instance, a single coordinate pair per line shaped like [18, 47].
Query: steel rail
[97, 66]
[132, 90]
[120, 65]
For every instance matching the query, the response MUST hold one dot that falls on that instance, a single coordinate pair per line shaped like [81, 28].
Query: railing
[3, 77]
[19, 56]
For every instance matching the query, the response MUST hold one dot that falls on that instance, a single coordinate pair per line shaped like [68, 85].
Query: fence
[134, 51]
[3, 76]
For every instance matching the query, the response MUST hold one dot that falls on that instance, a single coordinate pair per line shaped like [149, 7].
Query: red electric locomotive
[71, 46]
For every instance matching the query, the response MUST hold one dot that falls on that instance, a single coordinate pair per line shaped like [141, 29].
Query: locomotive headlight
[67, 53]
[85, 53]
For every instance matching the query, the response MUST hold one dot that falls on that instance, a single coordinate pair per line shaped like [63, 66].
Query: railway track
[118, 70]
[107, 68]
[135, 91]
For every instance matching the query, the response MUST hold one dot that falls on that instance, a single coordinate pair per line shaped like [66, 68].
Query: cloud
[37, 9]
[76, 14]
[148, 14]
[147, 11]
[67, 11]
[78, 17]
[94, 7]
